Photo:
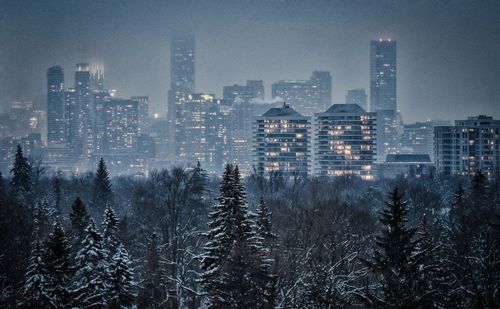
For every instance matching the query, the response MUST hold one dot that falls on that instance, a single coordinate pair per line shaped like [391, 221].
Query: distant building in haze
[345, 142]
[302, 94]
[357, 96]
[418, 138]
[323, 80]
[143, 110]
[469, 146]
[282, 140]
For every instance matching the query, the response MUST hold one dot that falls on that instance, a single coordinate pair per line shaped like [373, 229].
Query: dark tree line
[181, 239]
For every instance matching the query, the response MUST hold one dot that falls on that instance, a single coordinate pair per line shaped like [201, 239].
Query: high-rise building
[357, 96]
[143, 106]
[56, 127]
[323, 80]
[217, 137]
[345, 142]
[120, 126]
[84, 141]
[182, 78]
[383, 95]
[254, 89]
[97, 77]
[190, 130]
[469, 146]
[302, 94]
[282, 139]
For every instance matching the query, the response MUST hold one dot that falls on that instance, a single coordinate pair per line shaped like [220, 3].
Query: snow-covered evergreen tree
[90, 281]
[110, 231]
[57, 260]
[36, 292]
[152, 291]
[235, 266]
[122, 287]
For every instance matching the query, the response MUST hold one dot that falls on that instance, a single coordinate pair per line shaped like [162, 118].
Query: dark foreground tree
[21, 174]
[102, 193]
[122, 286]
[395, 260]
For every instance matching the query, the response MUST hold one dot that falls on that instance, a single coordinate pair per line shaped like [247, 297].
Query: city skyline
[439, 76]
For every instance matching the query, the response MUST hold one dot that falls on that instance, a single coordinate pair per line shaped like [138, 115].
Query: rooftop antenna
[285, 105]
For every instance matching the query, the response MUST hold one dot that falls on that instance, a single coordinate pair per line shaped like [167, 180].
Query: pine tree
[79, 220]
[394, 259]
[102, 193]
[110, 231]
[36, 292]
[41, 220]
[122, 286]
[57, 259]
[235, 269]
[21, 174]
[90, 281]
[264, 225]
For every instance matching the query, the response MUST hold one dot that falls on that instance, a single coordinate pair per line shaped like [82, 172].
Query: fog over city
[448, 65]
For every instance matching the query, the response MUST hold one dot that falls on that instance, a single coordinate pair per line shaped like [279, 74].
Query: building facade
[282, 139]
[468, 146]
[345, 142]
[357, 96]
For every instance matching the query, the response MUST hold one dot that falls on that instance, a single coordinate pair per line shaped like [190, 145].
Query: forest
[179, 238]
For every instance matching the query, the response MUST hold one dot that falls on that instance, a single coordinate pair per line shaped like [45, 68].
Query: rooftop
[345, 108]
[286, 110]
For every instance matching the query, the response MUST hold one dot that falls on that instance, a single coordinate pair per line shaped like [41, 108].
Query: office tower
[143, 106]
[56, 133]
[146, 146]
[302, 94]
[282, 143]
[357, 96]
[240, 124]
[345, 142]
[84, 140]
[383, 95]
[120, 129]
[468, 146]
[182, 78]
[190, 130]
[324, 82]
[72, 117]
[217, 136]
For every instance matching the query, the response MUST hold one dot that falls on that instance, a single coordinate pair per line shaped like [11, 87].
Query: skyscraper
[83, 139]
[282, 143]
[383, 95]
[357, 96]
[143, 106]
[182, 78]
[56, 126]
[323, 80]
[345, 142]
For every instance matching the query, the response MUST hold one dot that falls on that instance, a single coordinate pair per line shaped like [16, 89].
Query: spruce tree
[57, 259]
[102, 193]
[57, 192]
[394, 258]
[36, 291]
[264, 225]
[79, 220]
[21, 174]
[235, 269]
[110, 231]
[90, 281]
[122, 286]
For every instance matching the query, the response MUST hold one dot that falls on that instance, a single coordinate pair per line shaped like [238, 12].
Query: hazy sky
[448, 51]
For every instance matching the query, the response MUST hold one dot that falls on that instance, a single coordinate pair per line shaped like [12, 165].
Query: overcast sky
[448, 51]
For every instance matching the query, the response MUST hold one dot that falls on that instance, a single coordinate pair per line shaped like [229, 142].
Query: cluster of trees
[181, 239]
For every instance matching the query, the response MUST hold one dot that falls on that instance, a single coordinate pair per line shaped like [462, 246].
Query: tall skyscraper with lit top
[383, 95]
